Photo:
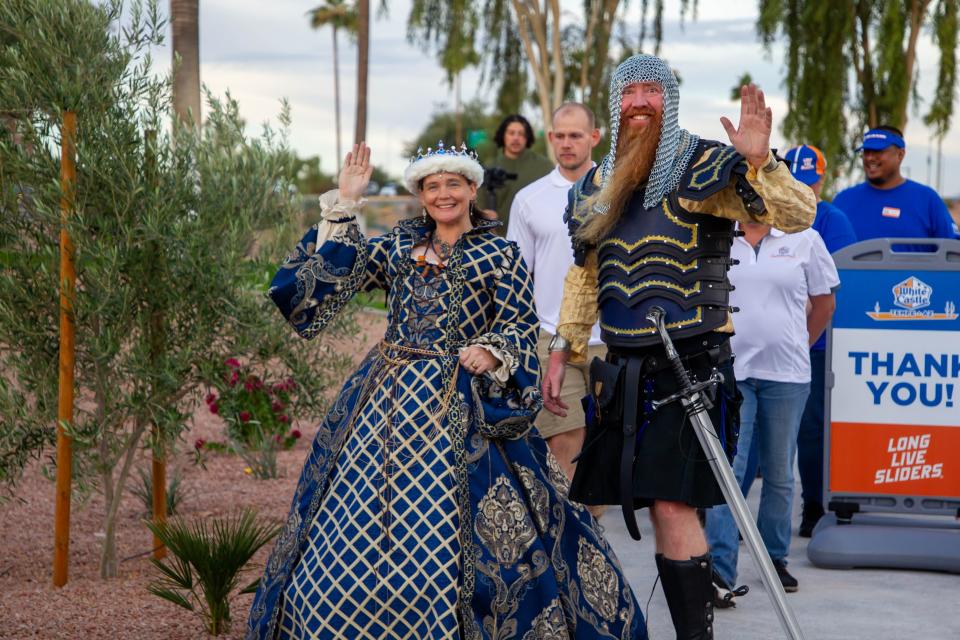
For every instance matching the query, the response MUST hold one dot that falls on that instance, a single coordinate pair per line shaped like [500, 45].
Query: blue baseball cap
[880, 139]
[807, 163]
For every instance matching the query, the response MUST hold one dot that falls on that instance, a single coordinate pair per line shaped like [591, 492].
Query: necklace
[443, 252]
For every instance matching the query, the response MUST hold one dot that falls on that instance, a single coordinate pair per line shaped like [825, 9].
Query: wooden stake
[68, 277]
[159, 481]
[158, 472]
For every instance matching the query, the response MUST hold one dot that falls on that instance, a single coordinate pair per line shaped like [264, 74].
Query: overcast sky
[263, 51]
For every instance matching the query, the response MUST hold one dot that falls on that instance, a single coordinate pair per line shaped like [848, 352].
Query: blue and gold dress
[428, 507]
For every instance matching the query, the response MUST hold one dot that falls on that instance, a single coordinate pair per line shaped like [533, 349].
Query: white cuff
[335, 213]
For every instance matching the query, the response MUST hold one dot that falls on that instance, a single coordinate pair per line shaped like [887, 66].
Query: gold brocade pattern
[503, 523]
[599, 580]
[537, 496]
[549, 625]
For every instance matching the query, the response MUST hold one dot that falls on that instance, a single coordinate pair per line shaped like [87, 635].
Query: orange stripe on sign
[895, 459]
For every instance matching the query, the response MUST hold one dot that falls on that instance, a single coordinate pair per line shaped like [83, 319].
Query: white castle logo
[912, 293]
[912, 296]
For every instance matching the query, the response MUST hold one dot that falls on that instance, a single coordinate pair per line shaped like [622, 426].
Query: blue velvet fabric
[428, 506]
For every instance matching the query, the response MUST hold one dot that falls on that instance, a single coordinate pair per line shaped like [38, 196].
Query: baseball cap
[807, 163]
[880, 139]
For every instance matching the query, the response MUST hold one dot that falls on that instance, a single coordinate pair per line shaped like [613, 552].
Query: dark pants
[810, 444]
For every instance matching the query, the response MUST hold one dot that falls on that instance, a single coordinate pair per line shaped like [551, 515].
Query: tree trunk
[185, 23]
[363, 47]
[336, 95]
[129, 449]
[458, 111]
[918, 9]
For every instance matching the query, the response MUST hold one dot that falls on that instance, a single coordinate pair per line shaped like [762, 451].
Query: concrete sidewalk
[868, 604]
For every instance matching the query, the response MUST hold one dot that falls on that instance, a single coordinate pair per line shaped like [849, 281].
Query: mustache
[638, 111]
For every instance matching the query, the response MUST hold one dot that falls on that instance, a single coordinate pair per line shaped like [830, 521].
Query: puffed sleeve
[579, 311]
[510, 395]
[329, 265]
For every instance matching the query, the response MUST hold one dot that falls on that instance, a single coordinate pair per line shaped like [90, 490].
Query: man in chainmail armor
[652, 225]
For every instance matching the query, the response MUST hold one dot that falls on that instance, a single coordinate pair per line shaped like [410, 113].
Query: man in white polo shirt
[778, 274]
[537, 226]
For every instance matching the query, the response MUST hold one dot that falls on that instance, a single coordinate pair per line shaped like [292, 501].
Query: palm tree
[338, 15]
[185, 24]
[363, 50]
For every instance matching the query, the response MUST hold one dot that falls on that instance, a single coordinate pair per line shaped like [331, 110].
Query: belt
[638, 365]
[653, 364]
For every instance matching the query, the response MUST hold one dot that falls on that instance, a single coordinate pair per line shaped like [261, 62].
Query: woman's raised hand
[356, 172]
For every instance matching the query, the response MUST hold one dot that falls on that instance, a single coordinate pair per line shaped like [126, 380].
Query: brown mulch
[122, 608]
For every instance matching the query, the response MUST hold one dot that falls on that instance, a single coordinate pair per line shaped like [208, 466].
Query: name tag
[890, 212]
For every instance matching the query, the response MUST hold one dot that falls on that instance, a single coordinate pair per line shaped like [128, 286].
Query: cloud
[264, 51]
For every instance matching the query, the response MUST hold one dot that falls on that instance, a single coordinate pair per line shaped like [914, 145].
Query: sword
[691, 397]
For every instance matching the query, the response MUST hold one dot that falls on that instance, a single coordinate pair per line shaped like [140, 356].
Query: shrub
[144, 491]
[207, 560]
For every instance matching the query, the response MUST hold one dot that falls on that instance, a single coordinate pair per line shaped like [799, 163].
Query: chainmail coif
[676, 145]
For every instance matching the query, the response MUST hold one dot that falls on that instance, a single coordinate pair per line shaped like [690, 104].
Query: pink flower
[257, 382]
[283, 419]
[211, 398]
[295, 434]
[277, 406]
[244, 416]
[214, 408]
[277, 439]
[199, 443]
[279, 386]
[233, 378]
[248, 385]
[289, 384]
[233, 363]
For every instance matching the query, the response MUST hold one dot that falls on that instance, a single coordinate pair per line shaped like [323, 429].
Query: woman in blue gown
[428, 506]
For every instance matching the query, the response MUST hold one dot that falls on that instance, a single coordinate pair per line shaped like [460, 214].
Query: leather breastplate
[664, 256]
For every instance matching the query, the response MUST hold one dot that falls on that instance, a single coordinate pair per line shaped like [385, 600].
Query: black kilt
[669, 462]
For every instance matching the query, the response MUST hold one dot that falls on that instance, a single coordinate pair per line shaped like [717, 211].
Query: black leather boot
[688, 586]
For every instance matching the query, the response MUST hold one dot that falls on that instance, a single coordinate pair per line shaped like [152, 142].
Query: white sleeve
[819, 269]
[519, 231]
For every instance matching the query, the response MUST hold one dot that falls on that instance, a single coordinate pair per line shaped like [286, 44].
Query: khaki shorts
[575, 382]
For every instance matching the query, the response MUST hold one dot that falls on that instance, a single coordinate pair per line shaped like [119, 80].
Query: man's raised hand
[751, 137]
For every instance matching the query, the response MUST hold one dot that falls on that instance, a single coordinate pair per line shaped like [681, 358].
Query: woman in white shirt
[777, 277]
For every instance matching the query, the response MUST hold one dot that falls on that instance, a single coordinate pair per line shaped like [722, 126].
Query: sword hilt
[657, 316]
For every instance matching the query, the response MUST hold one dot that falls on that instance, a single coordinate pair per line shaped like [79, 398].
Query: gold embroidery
[599, 580]
[712, 167]
[503, 523]
[549, 624]
[651, 283]
[537, 494]
[696, 319]
[557, 477]
[629, 247]
[630, 268]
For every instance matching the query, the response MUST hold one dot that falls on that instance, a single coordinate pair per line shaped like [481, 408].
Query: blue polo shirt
[912, 210]
[834, 227]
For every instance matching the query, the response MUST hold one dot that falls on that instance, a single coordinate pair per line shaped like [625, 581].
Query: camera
[496, 178]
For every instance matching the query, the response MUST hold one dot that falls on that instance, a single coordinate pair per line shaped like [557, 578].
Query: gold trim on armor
[628, 269]
[650, 283]
[697, 319]
[692, 227]
[713, 167]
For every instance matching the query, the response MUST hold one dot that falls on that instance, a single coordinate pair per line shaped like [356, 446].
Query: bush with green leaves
[175, 491]
[165, 221]
[206, 562]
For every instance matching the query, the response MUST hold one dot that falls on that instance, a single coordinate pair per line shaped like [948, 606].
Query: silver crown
[441, 150]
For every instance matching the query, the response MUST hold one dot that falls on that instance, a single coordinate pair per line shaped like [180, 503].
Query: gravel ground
[122, 608]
